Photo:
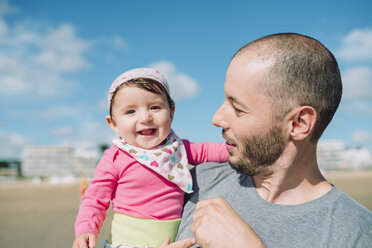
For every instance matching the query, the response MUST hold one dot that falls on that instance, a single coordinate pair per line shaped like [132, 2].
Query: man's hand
[216, 224]
[185, 243]
[85, 240]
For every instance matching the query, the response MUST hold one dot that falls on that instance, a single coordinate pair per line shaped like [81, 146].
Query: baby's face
[142, 118]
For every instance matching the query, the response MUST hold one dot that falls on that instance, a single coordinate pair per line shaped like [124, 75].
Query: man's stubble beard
[259, 153]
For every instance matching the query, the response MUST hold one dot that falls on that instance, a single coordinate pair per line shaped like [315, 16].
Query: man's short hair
[303, 73]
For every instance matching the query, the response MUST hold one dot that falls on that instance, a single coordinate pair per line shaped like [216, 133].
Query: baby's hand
[185, 243]
[85, 240]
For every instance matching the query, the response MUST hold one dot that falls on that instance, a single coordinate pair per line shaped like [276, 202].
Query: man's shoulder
[353, 221]
[352, 210]
[211, 173]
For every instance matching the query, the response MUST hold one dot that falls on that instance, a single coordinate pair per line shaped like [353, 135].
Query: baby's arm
[85, 240]
[96, 200]
[198, 153]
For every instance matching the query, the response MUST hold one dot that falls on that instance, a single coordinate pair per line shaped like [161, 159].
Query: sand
[43, 216]
[40, 216]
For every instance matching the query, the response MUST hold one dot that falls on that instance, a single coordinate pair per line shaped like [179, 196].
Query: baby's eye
[155, 107]
[129, 112]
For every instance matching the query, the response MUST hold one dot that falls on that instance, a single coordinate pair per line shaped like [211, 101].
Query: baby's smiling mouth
[147, 132]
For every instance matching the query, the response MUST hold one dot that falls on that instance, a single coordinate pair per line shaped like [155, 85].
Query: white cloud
[61, 50]
[119, 43]
[84, 131]
[362, 137]
[60, 111]
[357, 45]
[181, 85]
[357, 83]
[6, 8]
[62, 131]
[3, 28]
[35, 60]
[357, 107]
[111, 48]
[87, 135]
[11, 145]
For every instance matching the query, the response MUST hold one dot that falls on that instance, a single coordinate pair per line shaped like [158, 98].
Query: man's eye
[237, 111]
[129, 112]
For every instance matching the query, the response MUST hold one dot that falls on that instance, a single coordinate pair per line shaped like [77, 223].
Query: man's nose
[219, 118]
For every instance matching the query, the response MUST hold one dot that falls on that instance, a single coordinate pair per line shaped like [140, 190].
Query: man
[281, 92]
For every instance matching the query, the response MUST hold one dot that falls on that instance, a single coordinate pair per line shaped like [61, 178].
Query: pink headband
[136, 73]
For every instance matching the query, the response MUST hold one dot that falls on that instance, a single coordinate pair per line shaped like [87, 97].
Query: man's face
[254, 140]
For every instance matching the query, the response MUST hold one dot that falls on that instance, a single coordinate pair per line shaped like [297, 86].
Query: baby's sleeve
[198, 153]
[96, 199]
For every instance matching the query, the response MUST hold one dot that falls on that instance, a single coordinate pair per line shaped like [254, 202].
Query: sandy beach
[43, 215]
[40, 216]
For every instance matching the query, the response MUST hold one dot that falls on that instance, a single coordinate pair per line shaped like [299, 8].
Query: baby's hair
[145, 84]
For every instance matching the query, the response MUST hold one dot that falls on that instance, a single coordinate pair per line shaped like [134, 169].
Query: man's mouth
[147, 132]
[229, 144]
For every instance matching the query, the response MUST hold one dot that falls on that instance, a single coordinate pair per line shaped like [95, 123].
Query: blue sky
[58, 59]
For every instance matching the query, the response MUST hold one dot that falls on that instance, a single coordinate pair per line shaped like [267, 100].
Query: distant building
[334, 155]
[358, 158]
[84, 162]
[10, 168]
[329, 154]
[47, 161]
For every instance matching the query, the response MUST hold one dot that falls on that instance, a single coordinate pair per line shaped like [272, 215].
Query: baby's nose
[146, 116]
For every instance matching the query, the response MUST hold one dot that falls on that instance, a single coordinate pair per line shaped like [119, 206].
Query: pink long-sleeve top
[136, 190]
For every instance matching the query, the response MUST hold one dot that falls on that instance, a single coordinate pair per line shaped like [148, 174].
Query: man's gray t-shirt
[333, 220]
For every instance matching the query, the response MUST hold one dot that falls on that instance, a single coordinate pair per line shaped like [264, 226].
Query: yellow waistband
[127, 230]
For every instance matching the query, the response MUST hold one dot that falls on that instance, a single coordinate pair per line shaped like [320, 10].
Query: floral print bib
[168, 160]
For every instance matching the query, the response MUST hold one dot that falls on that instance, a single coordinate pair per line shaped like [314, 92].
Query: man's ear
[303, 120]
[171, 111]
[112, 124]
